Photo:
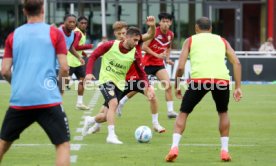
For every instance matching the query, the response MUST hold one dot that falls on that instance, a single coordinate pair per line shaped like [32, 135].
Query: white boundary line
[78, 146]
[79, 137]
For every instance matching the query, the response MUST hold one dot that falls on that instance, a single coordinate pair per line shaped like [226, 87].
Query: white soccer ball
[143, 134]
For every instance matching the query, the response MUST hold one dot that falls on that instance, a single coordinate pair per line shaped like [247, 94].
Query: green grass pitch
[252, 134]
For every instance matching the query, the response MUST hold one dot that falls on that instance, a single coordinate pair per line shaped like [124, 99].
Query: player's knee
[65, 146]
[113, 103]
[168, 87]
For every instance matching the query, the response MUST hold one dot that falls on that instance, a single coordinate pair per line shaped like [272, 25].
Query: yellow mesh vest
[115, 65]
[207, 56]
[71, 59]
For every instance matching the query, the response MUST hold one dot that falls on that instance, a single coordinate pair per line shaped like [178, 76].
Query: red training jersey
[132, 73]
[159, 44]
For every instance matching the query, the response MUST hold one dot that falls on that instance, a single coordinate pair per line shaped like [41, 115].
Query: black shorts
[110, 91]
[78, 71]
[196, 92]
[134, 85]
[53, 120]
[152, 70]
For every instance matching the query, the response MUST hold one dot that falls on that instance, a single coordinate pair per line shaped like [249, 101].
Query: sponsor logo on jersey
[111, 92]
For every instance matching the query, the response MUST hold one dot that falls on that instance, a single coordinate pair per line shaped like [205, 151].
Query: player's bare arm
[6, 69]
[230, 53]
[168, 53]
[75, 53]
[148, 50]
[181, 67]
[152, 28]
[63, 70]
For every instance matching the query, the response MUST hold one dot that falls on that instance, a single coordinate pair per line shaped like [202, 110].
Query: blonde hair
[119, 25]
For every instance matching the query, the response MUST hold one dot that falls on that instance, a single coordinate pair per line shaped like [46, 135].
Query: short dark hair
[68, 15]
[133, 31]
[165, 16]
[204, 23]
[82, 18]
[33, 7]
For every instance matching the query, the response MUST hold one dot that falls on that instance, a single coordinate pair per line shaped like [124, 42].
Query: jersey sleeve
[99, 51]
[58, 41]
[77, 45]
[139, 68]
[8, 46]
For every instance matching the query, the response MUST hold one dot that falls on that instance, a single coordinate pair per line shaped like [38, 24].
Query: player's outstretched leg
[80, 104]
[163, 76]
[154, 113]
[88, 122]
[179, 127]
[99, 118]
[224, 125]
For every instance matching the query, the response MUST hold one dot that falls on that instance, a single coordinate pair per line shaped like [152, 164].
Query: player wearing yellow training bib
[208, 73]
[76, 67]
[117, 57]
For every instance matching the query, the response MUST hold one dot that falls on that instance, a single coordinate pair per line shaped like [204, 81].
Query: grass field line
[73, 146]
[77, 147]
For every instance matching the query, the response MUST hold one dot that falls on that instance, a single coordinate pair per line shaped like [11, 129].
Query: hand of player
[237, 94]
[88, 78]
[162, 56]
[170, 62]
[82, 61]
[178, 93]
[150, 93]
[150, 21]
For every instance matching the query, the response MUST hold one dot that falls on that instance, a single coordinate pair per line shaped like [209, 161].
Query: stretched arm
[63, 70]
[230, 53]
[6, 69]
[77, 45]
[75, 53]
[99, 51]
[7, 61]
[148, 50]
[168, 53]
[181, 67]
[152, 28]
[143, 76]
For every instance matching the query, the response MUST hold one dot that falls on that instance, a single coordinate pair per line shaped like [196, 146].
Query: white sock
[111, 130]
[124, 100]
[98, 125]
[224, 143]
[79, 101]
[91, 119]
[170, 106]
[176, 139]
[155, 118]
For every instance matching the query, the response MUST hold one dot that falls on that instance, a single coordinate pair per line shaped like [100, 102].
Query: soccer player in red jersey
[134, 82]
[157, 51]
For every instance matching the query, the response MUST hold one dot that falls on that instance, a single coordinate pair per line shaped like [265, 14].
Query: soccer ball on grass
[143, 134]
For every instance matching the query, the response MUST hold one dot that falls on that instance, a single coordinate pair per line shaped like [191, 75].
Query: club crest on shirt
[111, 92]
[159, 37]
[258, 68]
